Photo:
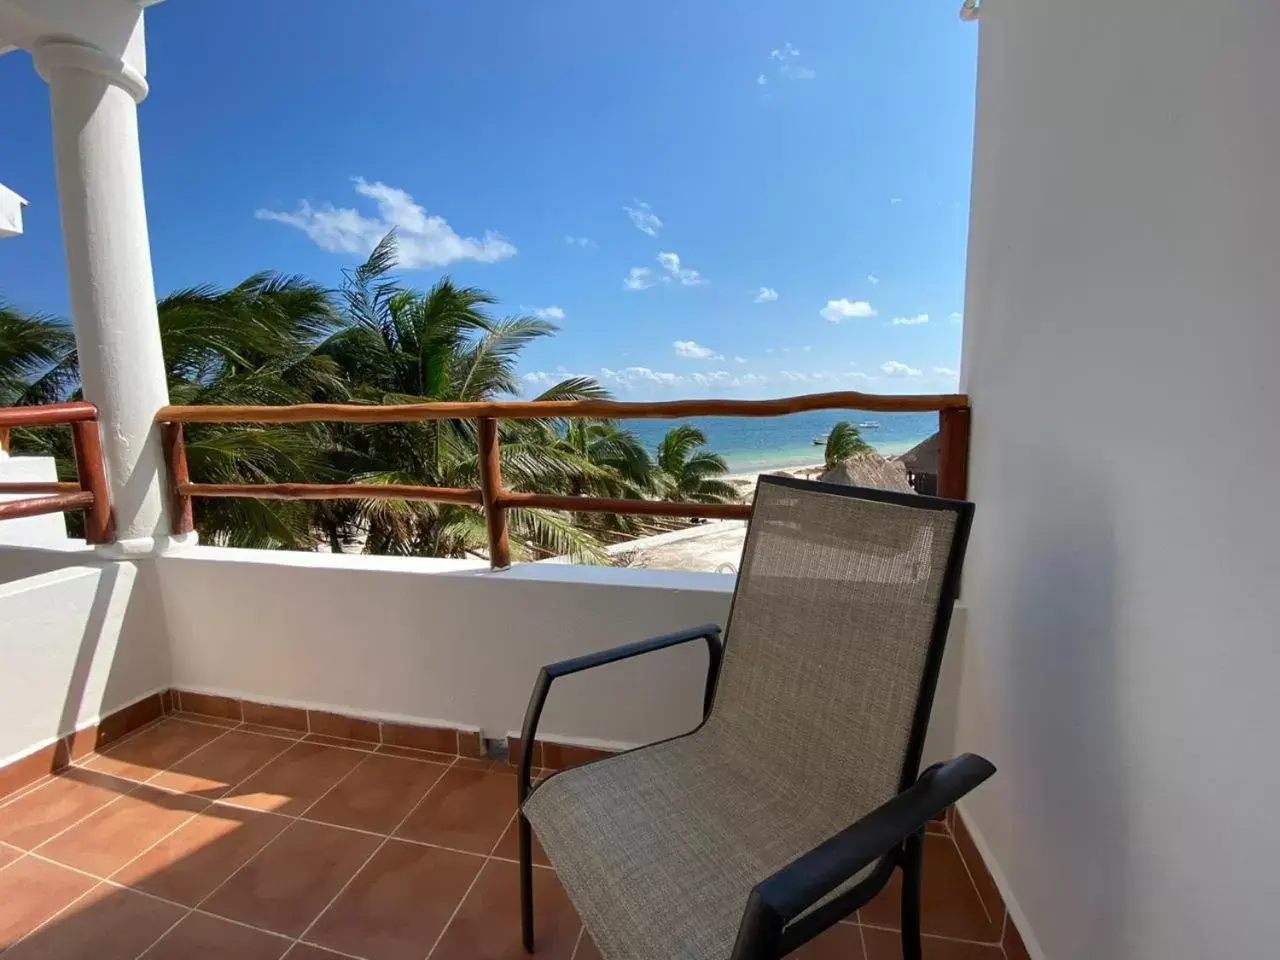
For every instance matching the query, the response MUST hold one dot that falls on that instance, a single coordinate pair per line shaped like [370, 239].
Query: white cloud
[858, 375]
[895, 200]
[762, 80]
[692, 350]
[793, 72]
[872, 279]
[750, 380]
[676, 273]
[424, 240]
[706, 379]
[766, 295]
[638, 278]
[915, 321]
[739, 359]
[956, 317]
[842, 309]
[895, 369]
[806, 348]
[768, 349]
[586, 243]
[546, 313]
[787, 51]
[946, 372]
[644, 219]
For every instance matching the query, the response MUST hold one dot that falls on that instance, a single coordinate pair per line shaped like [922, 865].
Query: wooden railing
[493, 497]
[90, 493]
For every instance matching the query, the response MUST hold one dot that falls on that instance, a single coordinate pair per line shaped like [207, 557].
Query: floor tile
[31, 891]
[983, 882]
[143, 756]
[8, 855]
[343, 742]
[587, 949]
[509, 847]
[296, 779]
[267, 730]
[35, 817]
[467, 810]
[306, 951]
[377, 794]
[218, 766]
[487, 926]
[841, 941]
[398, 904]
[411, 753]
[108, 839]
[950, 907]
[108, 924]
[291, 881]
[887, 945]
[188, 865]
[201, 937]
[225, 722]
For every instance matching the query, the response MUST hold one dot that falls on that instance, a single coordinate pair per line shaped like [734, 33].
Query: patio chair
[797, 796]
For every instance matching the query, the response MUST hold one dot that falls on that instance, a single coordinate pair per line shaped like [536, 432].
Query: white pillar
[94, 98]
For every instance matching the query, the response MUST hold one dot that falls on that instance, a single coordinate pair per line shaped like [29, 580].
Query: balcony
[271, 752]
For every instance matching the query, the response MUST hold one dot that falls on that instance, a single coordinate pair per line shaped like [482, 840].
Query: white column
[94, 99]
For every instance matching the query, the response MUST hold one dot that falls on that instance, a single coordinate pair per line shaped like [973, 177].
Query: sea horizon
[754, 444]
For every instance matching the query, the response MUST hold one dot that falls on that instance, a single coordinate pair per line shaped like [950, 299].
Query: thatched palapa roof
[869, 470]
[923, 457]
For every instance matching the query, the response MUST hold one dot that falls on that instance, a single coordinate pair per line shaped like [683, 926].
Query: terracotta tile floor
[196, 839]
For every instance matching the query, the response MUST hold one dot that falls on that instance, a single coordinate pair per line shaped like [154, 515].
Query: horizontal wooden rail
[650, 508]
[37, 486]
[494, 499]
[47, 416]
[90, 493]
[552, 409]
[331, 491]
[42, 505]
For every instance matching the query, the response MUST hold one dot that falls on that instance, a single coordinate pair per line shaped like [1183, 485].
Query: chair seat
[659, 848]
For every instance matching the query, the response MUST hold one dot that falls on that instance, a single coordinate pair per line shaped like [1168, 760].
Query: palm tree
[37, 358]
[397, 345]
[688, 472]
[843, 442]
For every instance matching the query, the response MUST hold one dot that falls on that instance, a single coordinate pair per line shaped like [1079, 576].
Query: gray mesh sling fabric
[824, 655]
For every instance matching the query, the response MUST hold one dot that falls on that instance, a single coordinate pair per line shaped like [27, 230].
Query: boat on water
[869, 425]
[819, 441]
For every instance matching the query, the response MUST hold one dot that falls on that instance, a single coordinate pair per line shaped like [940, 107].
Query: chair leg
[912, 881]
[525, 838]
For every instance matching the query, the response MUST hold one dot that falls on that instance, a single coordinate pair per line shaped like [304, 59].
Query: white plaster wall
[450, 642]
[1121, 344]
[47, 529]
[442, 641]
[76, 643]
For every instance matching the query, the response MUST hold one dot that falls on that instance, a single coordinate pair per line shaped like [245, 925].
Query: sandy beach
[745, 483]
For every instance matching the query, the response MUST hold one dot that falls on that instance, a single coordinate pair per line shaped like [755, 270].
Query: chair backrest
[835, 638]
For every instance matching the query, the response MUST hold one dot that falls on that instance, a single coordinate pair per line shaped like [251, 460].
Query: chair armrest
[528, 734]
[780, 898]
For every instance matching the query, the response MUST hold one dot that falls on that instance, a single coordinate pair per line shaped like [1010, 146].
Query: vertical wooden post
[175, 457]
[495, 515]
[99, 525]
[953, 452]
[5, 440]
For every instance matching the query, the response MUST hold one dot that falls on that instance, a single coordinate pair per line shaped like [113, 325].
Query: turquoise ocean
[751, 444]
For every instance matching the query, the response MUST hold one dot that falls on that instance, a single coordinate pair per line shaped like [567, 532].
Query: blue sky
[710, 198]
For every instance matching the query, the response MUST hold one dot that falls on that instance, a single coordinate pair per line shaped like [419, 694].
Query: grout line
[457, 909]
[862, 939]
[974, 884]
[386, 838]
[582, 929]
[935, 936]
[31, 787]
[35, 852]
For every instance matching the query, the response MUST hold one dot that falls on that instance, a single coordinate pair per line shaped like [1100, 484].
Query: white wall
[443, 641]
[75, 644]
[49, 528]
[1121, 349]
